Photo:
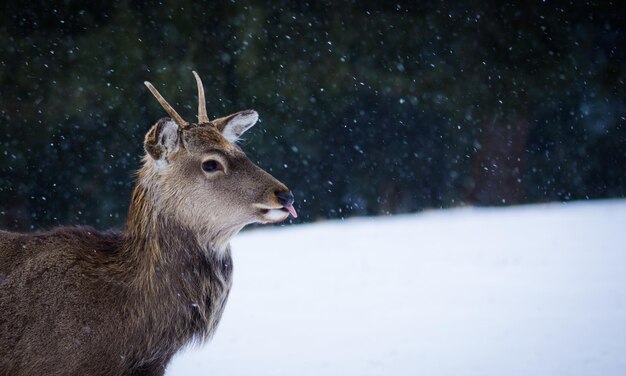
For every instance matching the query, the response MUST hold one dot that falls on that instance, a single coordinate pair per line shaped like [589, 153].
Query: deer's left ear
[162, 139]
[233, 126]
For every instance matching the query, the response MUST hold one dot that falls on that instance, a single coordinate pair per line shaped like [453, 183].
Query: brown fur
[76, 301]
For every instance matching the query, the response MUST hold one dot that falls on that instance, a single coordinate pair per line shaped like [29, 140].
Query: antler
[202, 116]
[179, 120]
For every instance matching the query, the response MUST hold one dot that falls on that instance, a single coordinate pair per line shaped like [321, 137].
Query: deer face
[205, 179]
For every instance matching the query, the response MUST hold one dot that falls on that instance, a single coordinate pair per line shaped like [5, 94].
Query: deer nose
[285, 198]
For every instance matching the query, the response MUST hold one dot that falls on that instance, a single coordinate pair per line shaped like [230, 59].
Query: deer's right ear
[234, 125]
[162, 139]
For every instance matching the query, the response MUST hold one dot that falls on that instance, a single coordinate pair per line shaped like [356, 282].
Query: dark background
[365, 109]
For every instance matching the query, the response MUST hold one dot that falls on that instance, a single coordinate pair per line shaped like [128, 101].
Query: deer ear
[162, 139]
[233, 126]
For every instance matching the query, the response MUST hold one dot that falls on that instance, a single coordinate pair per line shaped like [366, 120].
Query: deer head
[200, 176]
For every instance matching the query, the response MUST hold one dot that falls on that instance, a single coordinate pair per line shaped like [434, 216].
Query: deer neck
[173, 272]
[157, 243]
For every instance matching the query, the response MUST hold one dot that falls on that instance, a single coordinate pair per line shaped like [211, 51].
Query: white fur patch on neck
[239, 124]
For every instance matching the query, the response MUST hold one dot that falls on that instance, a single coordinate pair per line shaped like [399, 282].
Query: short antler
[202, 115]
[179, 120]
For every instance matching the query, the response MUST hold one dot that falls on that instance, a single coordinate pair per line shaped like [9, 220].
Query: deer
[77, 301]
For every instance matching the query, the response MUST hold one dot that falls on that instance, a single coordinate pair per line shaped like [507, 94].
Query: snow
[530, 290]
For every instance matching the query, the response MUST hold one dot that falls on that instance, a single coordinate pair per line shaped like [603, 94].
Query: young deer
[75, 301]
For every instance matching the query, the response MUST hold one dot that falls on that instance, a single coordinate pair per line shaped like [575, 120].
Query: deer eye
[212, 165]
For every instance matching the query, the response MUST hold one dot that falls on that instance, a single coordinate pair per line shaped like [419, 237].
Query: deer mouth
[291, 210]
[278, 214]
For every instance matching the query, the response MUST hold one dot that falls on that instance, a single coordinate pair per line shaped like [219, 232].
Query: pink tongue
[292, 211]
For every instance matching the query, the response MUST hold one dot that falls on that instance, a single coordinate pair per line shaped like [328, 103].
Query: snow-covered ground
[532, 290]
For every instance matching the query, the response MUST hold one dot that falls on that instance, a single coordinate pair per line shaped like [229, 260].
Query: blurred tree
[365, 108]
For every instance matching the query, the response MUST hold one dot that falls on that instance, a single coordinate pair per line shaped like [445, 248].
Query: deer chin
[274, 215]
[269, 214]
